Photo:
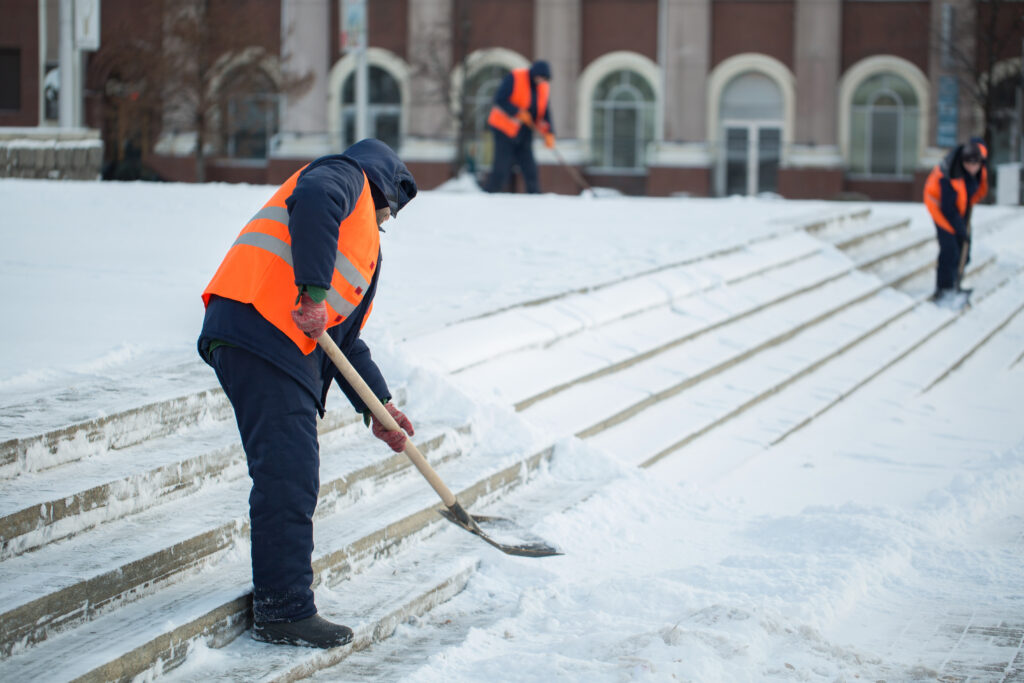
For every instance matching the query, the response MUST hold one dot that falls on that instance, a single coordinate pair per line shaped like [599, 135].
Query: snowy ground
[883, 542]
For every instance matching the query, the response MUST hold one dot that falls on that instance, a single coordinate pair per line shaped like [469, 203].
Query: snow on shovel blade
[503, 534]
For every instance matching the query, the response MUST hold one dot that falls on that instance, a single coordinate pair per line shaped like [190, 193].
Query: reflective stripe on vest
[258, 268]
[282, 249]
[520, 98]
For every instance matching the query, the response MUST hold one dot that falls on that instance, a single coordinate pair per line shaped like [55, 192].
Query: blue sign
[946, 129]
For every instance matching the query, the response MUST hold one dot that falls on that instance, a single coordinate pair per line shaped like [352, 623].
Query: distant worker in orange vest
[520, 107]
[951, 191]
[306, 263]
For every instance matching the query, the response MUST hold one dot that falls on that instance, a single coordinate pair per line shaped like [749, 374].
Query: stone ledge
[58, 153]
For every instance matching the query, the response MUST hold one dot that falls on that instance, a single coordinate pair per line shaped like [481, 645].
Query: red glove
[395, 439]
[549, 140]
[525, 117]
[310, 316]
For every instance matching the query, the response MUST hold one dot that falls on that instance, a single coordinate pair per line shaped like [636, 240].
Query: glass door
[751, 158]
[737, 160]
[769, 151]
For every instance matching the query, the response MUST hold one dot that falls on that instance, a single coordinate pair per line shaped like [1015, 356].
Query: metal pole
[42, 62]
[1020, 108]
[362, 77]
[68, 66]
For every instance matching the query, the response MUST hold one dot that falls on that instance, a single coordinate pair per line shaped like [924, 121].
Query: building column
[305, 49]
[818, 33]
[430, 52]
[557, 39]
[684, 55]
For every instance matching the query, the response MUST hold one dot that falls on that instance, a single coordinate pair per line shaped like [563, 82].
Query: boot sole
[263, 637]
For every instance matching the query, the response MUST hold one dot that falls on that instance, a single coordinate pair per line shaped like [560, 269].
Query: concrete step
[122, 430]
[588, 407]
[468, 343]
[925, 326]
[570, 360]
[978, 325]
[889, 367]
[848, 234]
[126, 385]
[40, 507]
[672, 424]
[527, 376]
[242, 659]
[149, 638]
[212, 602]
[68, 582]
[872, 253]
[829, 218]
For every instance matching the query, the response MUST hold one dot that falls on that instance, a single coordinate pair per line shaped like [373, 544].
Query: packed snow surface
[883, 541]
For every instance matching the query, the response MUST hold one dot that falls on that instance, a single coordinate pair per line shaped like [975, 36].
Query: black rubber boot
[312, 632]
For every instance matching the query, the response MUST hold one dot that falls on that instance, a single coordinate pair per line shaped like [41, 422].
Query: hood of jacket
[540, 68]
[953, 166]
[385, 171]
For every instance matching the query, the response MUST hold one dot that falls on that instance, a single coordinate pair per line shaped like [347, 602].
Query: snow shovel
[576, 175]
[455, 513]
[571, 170]
[963, 257]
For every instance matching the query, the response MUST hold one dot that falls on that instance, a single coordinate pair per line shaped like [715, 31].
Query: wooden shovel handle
[352, 376]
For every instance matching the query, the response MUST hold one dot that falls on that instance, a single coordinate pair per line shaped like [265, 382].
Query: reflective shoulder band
[283, 250]
[273, 213]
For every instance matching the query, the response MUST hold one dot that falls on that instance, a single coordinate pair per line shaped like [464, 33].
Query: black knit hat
[971, 153]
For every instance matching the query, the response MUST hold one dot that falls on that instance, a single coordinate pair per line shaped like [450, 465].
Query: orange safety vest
[258, 269]
[933, 195]
[509, 125]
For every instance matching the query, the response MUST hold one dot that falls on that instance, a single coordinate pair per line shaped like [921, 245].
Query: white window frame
[865, 69]
[869, 110]
[595, 72]
[346, 66]
[737, 65]
[641, 106]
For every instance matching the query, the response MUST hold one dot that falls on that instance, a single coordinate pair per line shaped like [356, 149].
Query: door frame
[753, 127]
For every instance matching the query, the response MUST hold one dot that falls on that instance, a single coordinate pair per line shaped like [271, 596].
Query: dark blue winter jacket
[325, 194]
[503, 96]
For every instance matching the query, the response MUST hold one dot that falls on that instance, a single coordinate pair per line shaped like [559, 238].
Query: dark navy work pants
[947, 270]
[277, 421]
[509, 152]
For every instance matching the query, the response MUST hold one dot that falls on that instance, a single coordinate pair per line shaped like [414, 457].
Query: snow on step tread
[530, 373]
[689, 413]
[583, 405]
[193, 530]
[472, 341]
[847, 233]
[338, 544]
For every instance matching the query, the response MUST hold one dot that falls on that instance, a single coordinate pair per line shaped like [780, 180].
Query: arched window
[883, 127]
[480, 89]
[383, 109]
[249, 116]
[623, 121]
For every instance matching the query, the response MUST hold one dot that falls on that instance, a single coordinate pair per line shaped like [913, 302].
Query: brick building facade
[803, 98]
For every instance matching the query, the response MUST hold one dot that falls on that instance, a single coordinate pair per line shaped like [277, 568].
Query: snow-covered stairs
[710, 355]
[726, 354]
[119, 541]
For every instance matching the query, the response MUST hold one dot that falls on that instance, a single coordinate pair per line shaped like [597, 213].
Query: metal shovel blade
[502, 533]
